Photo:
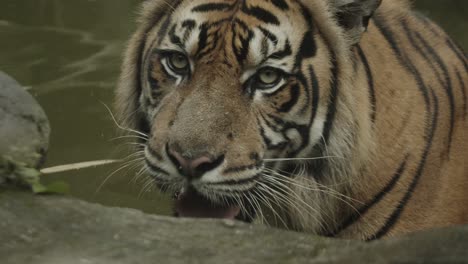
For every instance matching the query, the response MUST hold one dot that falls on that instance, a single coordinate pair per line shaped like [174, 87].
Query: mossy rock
[57, 229]
[24, 129]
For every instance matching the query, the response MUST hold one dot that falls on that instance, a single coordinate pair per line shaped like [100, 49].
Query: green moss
[19, 174]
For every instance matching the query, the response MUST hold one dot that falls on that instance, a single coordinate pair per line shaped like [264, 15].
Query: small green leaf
[58, 188]
[39, 188]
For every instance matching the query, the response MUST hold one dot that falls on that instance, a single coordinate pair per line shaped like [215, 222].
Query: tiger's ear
[354, 16]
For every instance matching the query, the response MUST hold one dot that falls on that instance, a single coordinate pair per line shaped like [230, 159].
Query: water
[67, 52]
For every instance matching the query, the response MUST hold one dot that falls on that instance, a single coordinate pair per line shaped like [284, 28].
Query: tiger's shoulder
[416, 76]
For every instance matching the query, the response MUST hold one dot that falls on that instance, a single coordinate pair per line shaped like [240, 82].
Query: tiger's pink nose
[196, 167]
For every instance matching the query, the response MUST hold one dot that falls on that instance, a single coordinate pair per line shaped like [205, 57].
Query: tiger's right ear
[354, 16]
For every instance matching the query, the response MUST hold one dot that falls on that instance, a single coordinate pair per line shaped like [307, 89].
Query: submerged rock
[55, 229]
[24, 127]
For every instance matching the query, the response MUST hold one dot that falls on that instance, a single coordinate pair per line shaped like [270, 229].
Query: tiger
[338, 118]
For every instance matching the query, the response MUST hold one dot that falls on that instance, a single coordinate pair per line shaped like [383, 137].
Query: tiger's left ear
[354, 16]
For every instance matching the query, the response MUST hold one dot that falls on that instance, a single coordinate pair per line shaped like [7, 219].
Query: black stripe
[145, 103]
[264, 50]
[419, 49]
[277, 125]
[427, 23]
[370, 81]
[139, 74]
[307, 92]
[315, 93]
[281, 54]
[143, 126]
[303, 130]
[267, 33]
[189, 25]
[431, 125]
[205, 47]
[212, 7]
[403, 59]
[463, 90]
[448, 87]
[332, 105]
[164, 29]
[272, 122]
[458, 52]
[266, 140]
[355, 216]
[152, 81]
[281, 4]
[294, 93]
[307, 15]
[252, 179]
[213, 44]
[173, 37]
[242, 51]
[202, 39]
[256, 165]
[156, 96]
[308, 47]
[260, 14]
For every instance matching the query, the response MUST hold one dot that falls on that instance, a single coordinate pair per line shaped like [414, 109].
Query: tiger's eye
[269, 77]
[178, 62]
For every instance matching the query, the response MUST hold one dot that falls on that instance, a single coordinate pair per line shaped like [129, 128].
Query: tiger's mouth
[192, 204]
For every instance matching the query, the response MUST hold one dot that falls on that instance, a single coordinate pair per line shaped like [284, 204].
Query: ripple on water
[48, 58]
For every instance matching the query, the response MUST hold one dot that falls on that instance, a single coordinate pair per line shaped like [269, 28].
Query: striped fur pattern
[362, 136]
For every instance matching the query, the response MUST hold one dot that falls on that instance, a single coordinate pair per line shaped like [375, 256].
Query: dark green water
[68, 53]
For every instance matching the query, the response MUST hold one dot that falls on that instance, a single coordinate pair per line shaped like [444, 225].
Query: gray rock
[56, 229]
[24, 127]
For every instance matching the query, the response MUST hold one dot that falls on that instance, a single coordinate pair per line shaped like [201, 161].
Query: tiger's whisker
[120, 126]
[113, 173]
[301, 159]
[326, 190]
[292, 181]
[129, 136]
[267, 203]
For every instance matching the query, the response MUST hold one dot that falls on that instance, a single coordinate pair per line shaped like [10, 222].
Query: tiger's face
[229, 89]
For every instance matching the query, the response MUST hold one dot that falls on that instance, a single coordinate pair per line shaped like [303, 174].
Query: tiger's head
[230, 93]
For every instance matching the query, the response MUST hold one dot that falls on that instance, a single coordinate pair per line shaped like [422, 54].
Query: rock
[24, 127]
[54, 229]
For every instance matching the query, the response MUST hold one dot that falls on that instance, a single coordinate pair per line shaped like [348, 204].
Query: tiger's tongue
[191, 204]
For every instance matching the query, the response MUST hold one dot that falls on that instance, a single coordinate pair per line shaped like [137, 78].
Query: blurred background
[68, 52]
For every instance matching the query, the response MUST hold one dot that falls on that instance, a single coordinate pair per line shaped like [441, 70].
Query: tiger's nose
[195, 167]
